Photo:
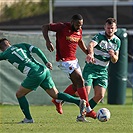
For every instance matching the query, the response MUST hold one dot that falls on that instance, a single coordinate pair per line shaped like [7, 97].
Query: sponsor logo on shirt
[72, 39]
[107, 45]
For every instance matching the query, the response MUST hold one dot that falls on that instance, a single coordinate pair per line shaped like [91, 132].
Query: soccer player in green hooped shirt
[103, 48]
[19, 55]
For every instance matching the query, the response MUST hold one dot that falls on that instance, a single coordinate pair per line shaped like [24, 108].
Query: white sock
[88, 109]
[58, 101]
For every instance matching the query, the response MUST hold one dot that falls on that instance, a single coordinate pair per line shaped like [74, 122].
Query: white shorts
[69, 66]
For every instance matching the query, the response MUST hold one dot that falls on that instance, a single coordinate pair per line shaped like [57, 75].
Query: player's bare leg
[78, 81]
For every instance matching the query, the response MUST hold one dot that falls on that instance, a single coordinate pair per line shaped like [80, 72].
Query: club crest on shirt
[70, 68]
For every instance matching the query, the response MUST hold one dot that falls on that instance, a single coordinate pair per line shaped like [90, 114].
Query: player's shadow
[11, 123]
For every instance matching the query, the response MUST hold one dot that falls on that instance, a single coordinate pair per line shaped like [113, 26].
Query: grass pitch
[47, 120]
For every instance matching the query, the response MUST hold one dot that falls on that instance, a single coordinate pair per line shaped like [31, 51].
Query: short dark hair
[3, 39]
[77, 17]
[111, 21]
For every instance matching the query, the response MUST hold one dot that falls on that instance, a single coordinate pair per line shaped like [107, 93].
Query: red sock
[83, 94]
[69, 90]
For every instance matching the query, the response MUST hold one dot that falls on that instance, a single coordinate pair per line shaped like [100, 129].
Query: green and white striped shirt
[103, 45]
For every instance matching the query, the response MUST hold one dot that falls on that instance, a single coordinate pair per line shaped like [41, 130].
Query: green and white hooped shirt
[103, 45]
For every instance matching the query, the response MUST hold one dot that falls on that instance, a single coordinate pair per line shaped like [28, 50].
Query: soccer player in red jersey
[68, 38]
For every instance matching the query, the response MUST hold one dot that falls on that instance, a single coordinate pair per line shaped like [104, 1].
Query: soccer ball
[103, 114]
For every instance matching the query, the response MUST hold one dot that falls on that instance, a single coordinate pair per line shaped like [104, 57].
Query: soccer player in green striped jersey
[20, 56]
[103, 48]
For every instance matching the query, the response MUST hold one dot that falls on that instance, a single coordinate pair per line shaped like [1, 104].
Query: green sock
[24, 107]
[68, 98]
[92, 103]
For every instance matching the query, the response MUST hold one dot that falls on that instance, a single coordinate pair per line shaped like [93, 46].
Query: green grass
[47, 120]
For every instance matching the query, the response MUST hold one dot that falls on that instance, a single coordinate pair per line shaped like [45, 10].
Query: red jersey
[66, 41]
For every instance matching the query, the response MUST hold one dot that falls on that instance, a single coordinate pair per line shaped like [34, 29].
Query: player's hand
[111, 52]
[49, 65]
[113, 56]
[90, 58]
[50, 46]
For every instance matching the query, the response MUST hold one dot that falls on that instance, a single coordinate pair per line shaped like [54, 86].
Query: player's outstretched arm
[40, 54]
[83, 46]
[90, 56]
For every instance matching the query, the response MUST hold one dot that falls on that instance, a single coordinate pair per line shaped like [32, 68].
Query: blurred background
[29, 15]
[26, 17]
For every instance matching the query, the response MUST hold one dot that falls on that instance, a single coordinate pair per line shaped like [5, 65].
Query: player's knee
[18, 94]
[80, 81]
